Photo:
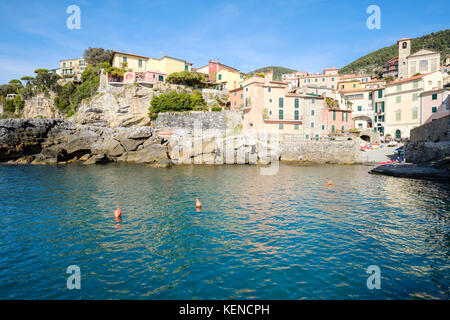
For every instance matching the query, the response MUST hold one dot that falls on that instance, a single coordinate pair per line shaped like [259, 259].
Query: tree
[193, 79]
[97, 55]
[16, 85]
[27, 79]
[45, 80]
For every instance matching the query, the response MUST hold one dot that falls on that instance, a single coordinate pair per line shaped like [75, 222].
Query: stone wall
[296, 148]
[438, 130]
[223, 120]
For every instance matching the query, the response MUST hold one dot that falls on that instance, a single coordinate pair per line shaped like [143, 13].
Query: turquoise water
[287, 236]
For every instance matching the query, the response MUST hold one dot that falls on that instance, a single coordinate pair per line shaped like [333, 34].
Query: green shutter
[334, 115]
[281, 102]
[280, 114]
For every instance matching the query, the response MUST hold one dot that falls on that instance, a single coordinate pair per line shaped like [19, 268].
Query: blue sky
[306, 35]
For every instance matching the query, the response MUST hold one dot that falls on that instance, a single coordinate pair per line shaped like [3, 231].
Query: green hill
[277, 71]
[372, 63]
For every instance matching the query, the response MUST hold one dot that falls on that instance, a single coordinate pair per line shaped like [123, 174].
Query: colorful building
[435, 104]
[336, 120]
[328, 79]
[236, 98]
[226, 77]
[72, 67]
[267, 107]
[404, 102]
[137, 63]
[391, 68]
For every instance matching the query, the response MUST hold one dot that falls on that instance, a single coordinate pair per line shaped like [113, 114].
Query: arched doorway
[365, 138]
[398, 134]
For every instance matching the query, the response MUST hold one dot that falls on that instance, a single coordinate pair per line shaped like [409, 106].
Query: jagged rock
[109, 147]
[151, 154]
[98, 159]
[24, 160]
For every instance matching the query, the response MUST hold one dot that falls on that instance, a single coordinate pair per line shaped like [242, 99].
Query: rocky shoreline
[48, 141]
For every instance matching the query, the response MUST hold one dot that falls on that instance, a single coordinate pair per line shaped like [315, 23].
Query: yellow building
[72, 67]
[226, 77]
[403, 103]
[138, 63]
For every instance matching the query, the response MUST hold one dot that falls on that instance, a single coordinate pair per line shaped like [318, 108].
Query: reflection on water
[289, 236]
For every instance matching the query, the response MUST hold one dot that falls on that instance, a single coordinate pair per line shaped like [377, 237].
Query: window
[376, 118]
[313, 100]
[434, 109]
[342, 113]
[380, 94]
[434, 96]
[334, 115]
[332, 79]
[359, 108]
[235, 103]
[296, 127]
[376, 106]
[414, 97]
[382, 106]
[160, 78]
[64, 64]
[246, 102]
[398, 99]
[315, 80]
[370, 95]
[399, 87]
[346, 116]
[307, 137]
[415, 114]
[296, 115]
[343, 128]
[186, 67]
[281, 126]
[235, 94]
[323, 127]
[140, 63]
[270, 112]
[354, 85]
[241, 76]
[323, 79]
[398, 116]
[332, 86]
[220, 77]
[246, 89]
[124, 59]
[269, 89]
[317, 137]
[333, 128]
[296, 103]
[242, 96]
[416, 84]
[313, 112]
[312, 124]
[398, 134]
[280, 114]
[281, 102]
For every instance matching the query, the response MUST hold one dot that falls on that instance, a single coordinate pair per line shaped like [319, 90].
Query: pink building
[336, 120]
[435, 104]
[144, 77]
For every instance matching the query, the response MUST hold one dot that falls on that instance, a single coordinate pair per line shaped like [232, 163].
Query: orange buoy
[198, 204]
[330, 182]
[117, 213]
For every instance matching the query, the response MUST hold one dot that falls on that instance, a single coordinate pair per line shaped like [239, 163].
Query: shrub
[171, 101]
[193, 79]
[9, 105]
[197, 99]
[216, 109]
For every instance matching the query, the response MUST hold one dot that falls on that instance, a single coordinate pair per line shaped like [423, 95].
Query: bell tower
[404, 50]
